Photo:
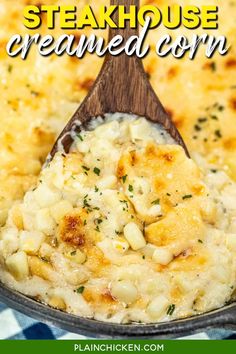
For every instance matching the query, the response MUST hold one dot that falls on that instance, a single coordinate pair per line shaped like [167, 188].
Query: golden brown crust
[72, 230]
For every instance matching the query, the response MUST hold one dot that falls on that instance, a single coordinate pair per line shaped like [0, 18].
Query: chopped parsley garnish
[80, 290]
[85, 222]
[97, 171]
[214, 117]
[96, 189]
[98, 221]
[86, 204]
[170, 310]
[218, 133]
[86, 168]
[80, 137]
[202, 120]
[221, 108]
[168, 194]
[187, 196]
[126, 205]
[97, 228]
[34, 93]
[218, 106]
[124, 178]
[200, 241]
[130, 188]
[156, 202]
[214, 171]
[73, 253]
[10, 67]
[125, 202]
[118, 232]
[213, 66]
[143, 257]
[197, 127]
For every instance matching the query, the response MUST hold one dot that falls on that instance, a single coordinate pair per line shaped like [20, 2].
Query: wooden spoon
[121, 86]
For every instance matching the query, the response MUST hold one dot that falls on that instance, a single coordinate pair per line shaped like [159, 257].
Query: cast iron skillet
[221, 318]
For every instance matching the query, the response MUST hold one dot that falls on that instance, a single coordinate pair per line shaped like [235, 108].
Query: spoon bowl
[121, 86]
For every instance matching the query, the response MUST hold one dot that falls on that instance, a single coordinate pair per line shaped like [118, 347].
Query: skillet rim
[224, 317]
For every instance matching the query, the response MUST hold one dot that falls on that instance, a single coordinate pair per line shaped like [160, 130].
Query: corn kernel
[134, 236]
[162, 256]
[231, 242]
[30, 241]
[10, 242]
[17, 265]
[120, 244]
[157, 307]
[59, 210]
[107, 182]
[57, 302]
[124, 291]
[139, 130]
[44, 222]
[76, 256]
[45, 196]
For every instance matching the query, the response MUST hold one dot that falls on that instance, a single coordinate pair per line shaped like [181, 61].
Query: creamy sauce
[124, 228]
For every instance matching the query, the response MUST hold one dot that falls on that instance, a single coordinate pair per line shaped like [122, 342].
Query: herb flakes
[80, 137]
[80, 290]
[9, 68]
[197, 128]
[218, 133]
[155, 202]
[187, 196]
[170, 310]
[97, 171]
[130, 188]
[213, 66]
[124, 178]
[202, 120]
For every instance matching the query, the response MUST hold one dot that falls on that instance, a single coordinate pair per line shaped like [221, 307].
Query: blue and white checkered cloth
[14, 325]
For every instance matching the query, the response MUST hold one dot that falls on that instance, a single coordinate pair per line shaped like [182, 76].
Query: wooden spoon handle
[127, 31]
[121, 86]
